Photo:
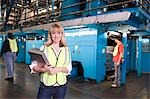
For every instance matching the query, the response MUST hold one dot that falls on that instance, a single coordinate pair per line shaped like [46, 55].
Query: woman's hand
[51, 69]
[48, 68]
[41, 68]
[55, 70]
[108, 52]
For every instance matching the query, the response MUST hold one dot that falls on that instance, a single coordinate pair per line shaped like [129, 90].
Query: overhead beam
[105, 18]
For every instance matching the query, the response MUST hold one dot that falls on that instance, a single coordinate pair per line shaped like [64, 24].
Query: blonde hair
[61, 30]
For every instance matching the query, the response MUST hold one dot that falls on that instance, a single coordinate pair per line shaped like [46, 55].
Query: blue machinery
[85, 47]
[87, 37]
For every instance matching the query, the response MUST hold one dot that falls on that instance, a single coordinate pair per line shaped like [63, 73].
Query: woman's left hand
[54, 70]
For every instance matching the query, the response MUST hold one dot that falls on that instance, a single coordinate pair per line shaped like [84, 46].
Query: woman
[54, 75]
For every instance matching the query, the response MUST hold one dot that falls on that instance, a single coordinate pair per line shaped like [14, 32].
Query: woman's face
[56, 35]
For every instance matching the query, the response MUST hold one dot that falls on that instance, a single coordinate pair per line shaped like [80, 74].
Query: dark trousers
[47, 92]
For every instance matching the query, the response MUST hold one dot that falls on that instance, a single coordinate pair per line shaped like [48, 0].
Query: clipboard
[38, 55]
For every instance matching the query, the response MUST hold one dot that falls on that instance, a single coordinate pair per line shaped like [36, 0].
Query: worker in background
[117, 59]
[9, 51]
[53, 82]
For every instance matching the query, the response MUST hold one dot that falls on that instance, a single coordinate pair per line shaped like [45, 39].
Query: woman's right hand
[108, 52]
[48, 68]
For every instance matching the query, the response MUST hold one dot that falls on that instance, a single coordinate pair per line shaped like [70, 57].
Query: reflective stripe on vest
[13, 45]
[62, 60]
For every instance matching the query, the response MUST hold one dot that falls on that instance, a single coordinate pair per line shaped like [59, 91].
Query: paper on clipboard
[38, 55]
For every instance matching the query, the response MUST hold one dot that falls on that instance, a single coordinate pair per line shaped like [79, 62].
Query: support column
[124, 64]
[139, 56]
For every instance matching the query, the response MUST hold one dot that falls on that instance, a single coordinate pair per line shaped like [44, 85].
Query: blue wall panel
[21, 53]
[133, 55]
[87, 57]
[1, 42]
[146, 62]
[145, 65]
[101, 56]
[128, 59]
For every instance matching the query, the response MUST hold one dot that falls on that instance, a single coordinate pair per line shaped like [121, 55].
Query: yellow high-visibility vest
[62, 60]
[13, 45]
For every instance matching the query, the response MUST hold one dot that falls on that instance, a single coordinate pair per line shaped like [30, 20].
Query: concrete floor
[25, 86]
